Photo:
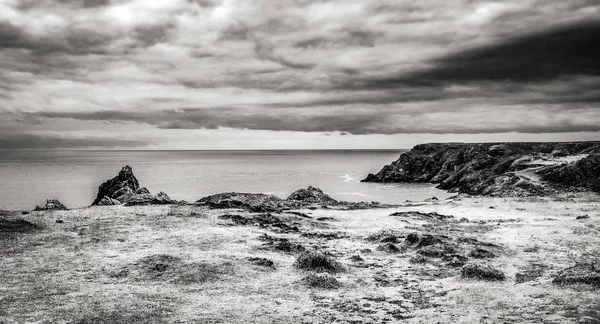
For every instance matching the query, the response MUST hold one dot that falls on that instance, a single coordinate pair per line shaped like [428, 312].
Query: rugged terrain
[462, 260]
[503, 169]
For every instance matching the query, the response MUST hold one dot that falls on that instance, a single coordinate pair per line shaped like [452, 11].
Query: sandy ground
[183, 264]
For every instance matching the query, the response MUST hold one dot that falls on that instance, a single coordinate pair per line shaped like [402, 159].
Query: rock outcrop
[507, 169]
[124, 189]
[145, 199]
[120, 188]
[51, 204]
[311, 195]
[252, 202]
[107, 201]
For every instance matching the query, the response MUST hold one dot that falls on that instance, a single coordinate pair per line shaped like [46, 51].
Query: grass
[111, 264]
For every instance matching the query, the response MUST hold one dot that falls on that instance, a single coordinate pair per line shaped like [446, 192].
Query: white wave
[348, 178]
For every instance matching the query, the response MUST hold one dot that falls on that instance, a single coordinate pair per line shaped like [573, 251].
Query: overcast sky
[242, 74]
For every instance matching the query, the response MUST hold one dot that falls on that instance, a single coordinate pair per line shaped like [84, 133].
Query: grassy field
[184, 264]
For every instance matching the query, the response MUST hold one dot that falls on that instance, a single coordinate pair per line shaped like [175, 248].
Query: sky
[296, 74]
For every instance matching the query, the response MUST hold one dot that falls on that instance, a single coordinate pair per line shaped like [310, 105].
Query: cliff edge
[506, 169]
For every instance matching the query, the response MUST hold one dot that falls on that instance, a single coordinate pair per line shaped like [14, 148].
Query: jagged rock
[107, 201]
[251, 202]
[120, 188]
[160, 198]
[482, 271]
[124, 189]
[588, 274]
[142, 191]
[507, 169]
[51, 204]
[311, 195]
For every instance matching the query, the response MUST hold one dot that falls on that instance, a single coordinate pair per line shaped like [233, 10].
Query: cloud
[173, 69]
[572, 50]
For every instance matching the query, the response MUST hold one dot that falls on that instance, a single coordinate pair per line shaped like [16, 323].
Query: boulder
[51, 204]
[311, 195]
[107, 201]
[120, 188]
[250, 202]
[145, 199]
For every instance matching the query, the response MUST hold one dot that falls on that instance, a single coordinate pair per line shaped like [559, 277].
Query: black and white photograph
[299, 161]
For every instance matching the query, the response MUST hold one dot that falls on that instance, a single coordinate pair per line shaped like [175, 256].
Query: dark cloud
[349, 121]
[74, 41]
[572, 50]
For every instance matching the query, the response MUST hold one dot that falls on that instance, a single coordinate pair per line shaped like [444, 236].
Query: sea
[28, 178]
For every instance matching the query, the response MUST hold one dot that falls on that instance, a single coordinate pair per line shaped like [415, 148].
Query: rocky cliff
[510, 169]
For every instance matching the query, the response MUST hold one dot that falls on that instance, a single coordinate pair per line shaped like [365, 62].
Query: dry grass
[182, 264]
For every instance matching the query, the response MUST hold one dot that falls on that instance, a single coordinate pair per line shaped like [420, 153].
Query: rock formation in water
[248, 201]
[51, 204]
[160, 198]
[124, 189]
[120, 188]
[311, 195]
[507, 169]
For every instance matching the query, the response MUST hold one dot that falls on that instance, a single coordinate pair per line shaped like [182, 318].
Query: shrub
[321, 281]
[482, 271]
[316, 261]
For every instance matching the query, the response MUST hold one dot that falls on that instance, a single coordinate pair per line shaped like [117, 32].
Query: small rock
[59, 221]
[357, 258]
[25, 213]
[582, 217]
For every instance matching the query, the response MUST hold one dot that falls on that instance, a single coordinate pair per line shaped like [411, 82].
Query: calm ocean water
[27, 178]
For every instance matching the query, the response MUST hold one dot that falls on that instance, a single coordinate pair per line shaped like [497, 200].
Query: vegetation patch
[168, 268]
[480, 253]
[17, 225]
[482, 271]
[262, 262]
[319, 262]
[280, 244]
[437, 250]
[386, 233]
[583, 273]
[321, 281]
